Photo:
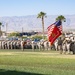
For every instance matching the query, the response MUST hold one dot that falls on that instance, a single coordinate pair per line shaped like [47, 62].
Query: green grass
[17, 62]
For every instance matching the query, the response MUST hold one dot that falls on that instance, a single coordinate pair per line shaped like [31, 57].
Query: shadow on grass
[8, 72]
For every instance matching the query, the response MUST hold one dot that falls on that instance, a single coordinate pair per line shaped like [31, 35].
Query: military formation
[8, 44]
[62, 45]
[23, 44]
[66, 45]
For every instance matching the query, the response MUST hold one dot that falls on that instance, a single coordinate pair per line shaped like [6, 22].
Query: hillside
[31, 22]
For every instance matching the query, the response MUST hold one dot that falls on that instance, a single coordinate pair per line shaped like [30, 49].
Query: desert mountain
[32, 23]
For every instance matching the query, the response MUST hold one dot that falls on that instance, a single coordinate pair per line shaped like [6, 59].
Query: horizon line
[37, 14]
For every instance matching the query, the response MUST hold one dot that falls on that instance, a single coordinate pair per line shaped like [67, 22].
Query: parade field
[18, 62]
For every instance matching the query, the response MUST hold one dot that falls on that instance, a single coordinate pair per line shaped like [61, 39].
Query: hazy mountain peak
[31, 22]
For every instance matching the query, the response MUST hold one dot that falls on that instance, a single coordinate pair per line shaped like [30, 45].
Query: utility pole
[6, 28]
[0, 29]
[22, 33]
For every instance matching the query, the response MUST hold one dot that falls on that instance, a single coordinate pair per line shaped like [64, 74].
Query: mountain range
[32, 23]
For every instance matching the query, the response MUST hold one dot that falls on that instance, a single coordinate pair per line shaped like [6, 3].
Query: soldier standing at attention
[60, 41]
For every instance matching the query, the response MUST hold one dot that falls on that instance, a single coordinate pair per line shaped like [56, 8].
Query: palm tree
[61, 18]
[0, 28]
[42, 15]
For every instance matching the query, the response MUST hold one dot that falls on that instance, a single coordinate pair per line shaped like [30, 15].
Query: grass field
[17, 62]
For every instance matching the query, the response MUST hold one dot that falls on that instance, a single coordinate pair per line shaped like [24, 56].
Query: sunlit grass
[44, 62]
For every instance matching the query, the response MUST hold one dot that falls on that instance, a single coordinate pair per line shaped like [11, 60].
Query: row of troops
[4, 44]
[64, 45]
[18, 44]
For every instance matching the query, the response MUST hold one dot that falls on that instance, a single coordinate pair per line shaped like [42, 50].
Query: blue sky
[33, 7]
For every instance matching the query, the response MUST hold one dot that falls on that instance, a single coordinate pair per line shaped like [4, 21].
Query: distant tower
[6, 28]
